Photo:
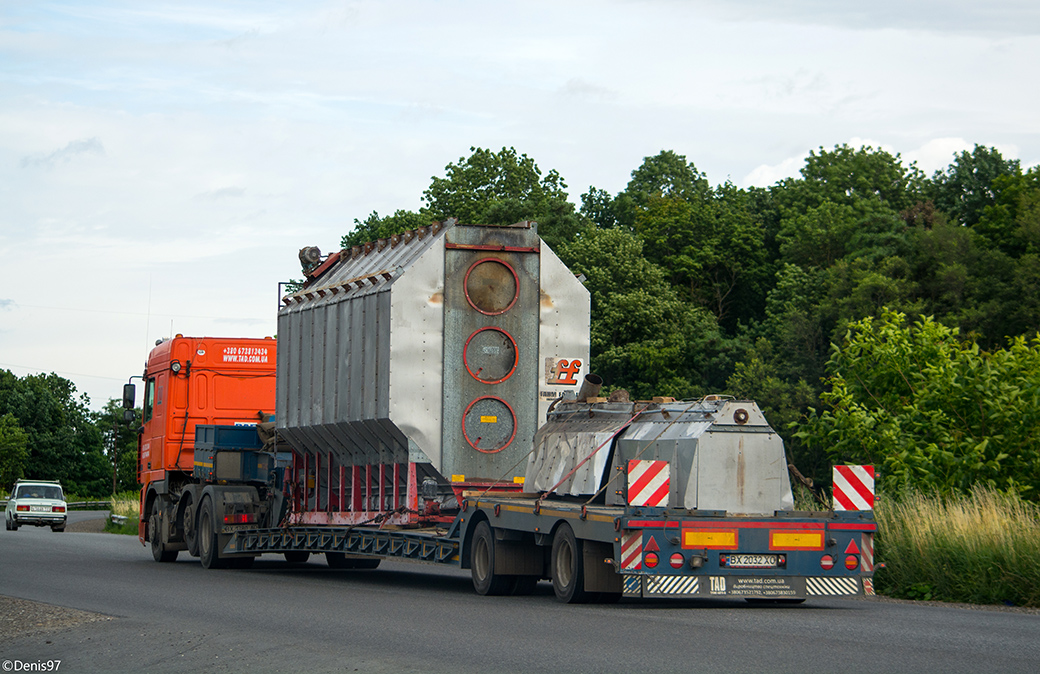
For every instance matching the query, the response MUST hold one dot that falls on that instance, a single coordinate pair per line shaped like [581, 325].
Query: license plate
[39, 509]
[751, 561]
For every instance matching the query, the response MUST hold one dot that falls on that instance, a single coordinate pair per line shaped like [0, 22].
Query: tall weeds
[982, 548]
[126, 504]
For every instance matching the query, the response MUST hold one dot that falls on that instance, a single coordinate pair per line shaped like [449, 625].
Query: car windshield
[39, 491]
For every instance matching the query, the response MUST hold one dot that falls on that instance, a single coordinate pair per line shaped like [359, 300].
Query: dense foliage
[702, 289]
[47, 432]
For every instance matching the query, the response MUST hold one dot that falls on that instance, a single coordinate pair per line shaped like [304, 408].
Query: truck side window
[149, 399]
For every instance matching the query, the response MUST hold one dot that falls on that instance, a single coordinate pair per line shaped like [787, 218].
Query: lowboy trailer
[412, 374]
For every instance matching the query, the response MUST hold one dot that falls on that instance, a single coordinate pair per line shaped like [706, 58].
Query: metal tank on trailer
[713, 454]
[421, 362]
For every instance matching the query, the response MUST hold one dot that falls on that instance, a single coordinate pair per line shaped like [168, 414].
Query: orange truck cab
[190, 381]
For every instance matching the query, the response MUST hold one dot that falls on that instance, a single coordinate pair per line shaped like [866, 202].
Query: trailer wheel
[297, 556]
[159, 551]
[207, 537]
[568, 567]
[482, 564]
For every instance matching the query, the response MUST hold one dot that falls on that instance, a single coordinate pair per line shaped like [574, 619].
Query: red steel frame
[363, 504]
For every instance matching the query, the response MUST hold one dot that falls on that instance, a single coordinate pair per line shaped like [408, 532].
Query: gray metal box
[436, 346]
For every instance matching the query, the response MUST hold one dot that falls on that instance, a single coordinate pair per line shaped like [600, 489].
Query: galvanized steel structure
[431, 354]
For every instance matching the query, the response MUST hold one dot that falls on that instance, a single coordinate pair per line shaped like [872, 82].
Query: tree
[1012, 222]
[667, 176]
[966, 187]
[383, 227]
[501, 188]
[63, 442]
[14, 454]
[644, 337]
[846, 176]
[121, 438]
[930, 410]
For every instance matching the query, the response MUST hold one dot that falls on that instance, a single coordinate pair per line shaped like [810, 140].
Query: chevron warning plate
[648, 483]
[853, 487]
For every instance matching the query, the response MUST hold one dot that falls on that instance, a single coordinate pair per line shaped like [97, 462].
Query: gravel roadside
[21, 617]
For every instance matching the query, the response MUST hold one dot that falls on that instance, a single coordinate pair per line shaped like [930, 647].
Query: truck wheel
[297, 556]
[482, 564]
[159, 551]
[191, 540]
[568, 568]
[209, 542]
[58, 529]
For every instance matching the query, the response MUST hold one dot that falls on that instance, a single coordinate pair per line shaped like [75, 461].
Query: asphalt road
[414, 618]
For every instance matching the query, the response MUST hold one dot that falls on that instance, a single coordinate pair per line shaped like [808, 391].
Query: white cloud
[65, 154]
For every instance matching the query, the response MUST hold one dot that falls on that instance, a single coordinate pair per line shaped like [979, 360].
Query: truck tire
[159, 551]
[568, 568]
[340, 560]
[58, 529]
[297, 556]
[209, 541]
[482, 564]
[191, 540]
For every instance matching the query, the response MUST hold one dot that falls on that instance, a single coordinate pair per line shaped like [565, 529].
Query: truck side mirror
[129, 396]
[128, 416]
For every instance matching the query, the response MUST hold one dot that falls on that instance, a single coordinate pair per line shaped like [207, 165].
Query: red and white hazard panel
[867, 552]
[853, 487]
[648, 483]
[632, 550]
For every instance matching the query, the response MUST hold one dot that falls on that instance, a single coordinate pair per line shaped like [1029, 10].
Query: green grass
[983, 548]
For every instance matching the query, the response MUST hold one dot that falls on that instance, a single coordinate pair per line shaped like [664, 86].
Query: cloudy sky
[162, 163]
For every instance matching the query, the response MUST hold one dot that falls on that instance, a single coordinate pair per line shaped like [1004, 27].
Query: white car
[36, 502]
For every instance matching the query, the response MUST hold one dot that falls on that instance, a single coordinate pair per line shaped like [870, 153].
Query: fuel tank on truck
[441, 346]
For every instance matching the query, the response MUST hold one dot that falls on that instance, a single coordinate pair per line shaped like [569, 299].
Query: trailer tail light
[677, 560]
[650, 559]
[827, 562]
[58, 509]
[240, 518]
[851, 562]
[22, 509]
